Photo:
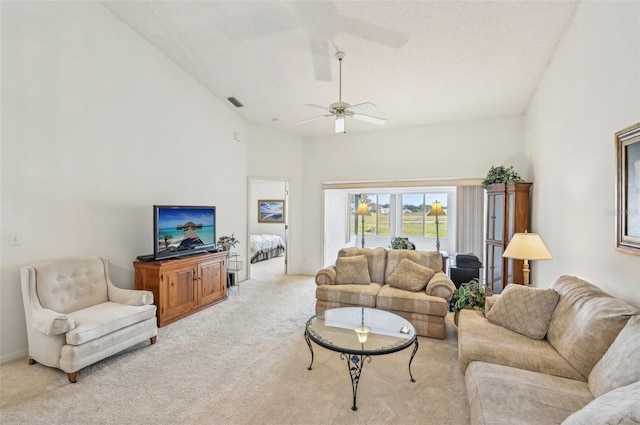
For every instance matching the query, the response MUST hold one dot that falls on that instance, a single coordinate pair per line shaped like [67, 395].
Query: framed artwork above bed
[270, 211]
[628, 190]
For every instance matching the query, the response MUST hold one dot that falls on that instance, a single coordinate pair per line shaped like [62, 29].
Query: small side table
[233, 267]
[445, 257]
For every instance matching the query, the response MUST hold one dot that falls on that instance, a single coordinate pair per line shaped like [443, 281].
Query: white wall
[590, 90]
[335, 226]
[97, 126]
[464, 150]
[273, 154]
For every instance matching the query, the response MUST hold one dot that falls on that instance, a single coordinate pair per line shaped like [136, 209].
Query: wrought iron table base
[355, 363]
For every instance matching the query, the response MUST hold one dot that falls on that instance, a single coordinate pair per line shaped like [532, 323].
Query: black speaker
[468, 261]
[460, 275]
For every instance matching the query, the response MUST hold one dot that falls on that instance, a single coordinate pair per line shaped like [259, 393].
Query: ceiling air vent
[235, 102]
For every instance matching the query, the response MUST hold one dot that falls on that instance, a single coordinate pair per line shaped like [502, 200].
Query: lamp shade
[436, 209]
[527, 246]
[363, 209]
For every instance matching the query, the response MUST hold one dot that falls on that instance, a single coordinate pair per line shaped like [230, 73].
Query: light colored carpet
[243, 361]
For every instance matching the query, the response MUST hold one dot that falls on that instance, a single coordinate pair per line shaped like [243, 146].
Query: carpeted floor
[243, 361]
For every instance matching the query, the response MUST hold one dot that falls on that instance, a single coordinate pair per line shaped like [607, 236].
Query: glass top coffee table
[358, 333]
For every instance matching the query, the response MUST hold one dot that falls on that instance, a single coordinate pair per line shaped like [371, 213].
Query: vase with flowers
[227, 242]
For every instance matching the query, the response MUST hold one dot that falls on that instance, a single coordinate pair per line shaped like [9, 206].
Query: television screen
[182, 230]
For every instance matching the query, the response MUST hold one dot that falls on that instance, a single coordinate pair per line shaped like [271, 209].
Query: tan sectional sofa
[586, 370]
[426, 309]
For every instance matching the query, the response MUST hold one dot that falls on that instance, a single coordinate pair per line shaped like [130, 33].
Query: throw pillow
[352, 270]
[524, 309]
[410, 276]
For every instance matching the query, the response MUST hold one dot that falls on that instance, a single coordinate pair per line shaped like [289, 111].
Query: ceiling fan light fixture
[341, 126]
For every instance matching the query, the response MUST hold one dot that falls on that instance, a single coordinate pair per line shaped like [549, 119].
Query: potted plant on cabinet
[402, 243]
[469, 295]
[501, 174]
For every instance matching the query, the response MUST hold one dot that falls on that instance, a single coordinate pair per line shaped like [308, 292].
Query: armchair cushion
[410, 276]
[102, 319]
[394, 299]
[525, 310]
[353, 269]
[363, 295]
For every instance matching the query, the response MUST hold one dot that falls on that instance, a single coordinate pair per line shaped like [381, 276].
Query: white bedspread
[264, 243]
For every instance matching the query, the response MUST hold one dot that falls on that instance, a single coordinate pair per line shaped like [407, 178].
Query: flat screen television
[183, 230]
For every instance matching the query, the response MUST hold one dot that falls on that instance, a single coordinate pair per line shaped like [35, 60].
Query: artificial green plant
[469, 295]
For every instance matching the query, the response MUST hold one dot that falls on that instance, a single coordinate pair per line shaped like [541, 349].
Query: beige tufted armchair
[76, 316]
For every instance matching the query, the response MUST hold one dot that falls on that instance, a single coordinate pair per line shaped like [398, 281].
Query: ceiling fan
[341, 110]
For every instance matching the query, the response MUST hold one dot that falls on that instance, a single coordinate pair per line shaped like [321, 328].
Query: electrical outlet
[14, 240]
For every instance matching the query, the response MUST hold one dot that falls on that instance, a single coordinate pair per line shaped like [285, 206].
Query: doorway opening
[267, 227]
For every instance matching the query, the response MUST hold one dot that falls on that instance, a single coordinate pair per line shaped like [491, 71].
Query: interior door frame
[286, 181]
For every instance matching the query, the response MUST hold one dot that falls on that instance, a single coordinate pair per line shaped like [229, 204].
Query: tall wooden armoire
[508, 211]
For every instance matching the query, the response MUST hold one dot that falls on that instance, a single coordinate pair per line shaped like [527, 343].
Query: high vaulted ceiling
[420, 62]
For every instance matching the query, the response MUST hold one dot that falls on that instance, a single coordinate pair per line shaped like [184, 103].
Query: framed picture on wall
[628, 190]
[270, 211]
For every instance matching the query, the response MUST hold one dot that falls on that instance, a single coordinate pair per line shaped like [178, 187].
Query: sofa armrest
[50, 322]
[440, 286]
[326, 276]
[129, 296]
[488, 302]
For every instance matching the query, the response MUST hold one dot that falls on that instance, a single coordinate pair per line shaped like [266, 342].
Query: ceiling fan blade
[369, 118]
[317, 106]
[314, 118]
[366, 106]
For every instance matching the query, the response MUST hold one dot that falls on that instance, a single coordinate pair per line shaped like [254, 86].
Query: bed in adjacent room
[264, 247]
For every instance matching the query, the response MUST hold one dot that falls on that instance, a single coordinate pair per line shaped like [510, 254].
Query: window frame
[396, 206]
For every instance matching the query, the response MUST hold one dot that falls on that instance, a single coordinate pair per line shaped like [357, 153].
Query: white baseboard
[14, 356]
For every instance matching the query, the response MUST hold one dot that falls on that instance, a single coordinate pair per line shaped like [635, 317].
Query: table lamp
[363, 209]
[436, 210]
[362, 331]
[526, 246]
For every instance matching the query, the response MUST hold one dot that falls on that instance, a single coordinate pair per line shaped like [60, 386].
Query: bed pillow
[410, 276]
[524, 309]
[353, 269]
